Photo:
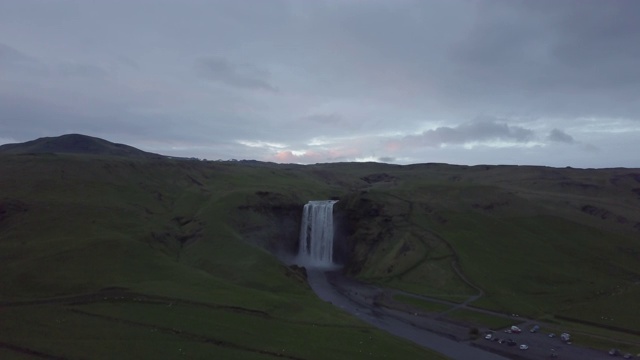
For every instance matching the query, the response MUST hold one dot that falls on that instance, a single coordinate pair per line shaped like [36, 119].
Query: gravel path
[434, 332]
[396, 324]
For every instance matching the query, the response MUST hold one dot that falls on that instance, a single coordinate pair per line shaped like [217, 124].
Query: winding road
[434, 332]
[394, 323]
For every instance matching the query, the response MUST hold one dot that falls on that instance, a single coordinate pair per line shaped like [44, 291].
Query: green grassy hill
[538, 241]
[105, 256]
[75, 144]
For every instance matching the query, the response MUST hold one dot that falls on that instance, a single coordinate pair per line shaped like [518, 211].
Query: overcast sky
[544, 82]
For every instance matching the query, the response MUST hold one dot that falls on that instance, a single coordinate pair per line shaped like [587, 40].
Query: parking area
[525, 344]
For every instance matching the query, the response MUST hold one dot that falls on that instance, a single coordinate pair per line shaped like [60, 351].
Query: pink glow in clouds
[316, 156]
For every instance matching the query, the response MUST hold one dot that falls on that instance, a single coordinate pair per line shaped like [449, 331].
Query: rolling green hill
[74, 144]
[106, 256]
[537, 241]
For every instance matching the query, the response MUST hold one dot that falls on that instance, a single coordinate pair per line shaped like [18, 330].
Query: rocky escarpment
[361, 225]
[270, 220]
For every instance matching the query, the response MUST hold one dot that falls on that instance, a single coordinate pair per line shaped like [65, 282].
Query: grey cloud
[569, 58]
[13, 60]
[352, 74]
[27, 117]
[336, 122]
[333, 119]
[551, 57]
[81, 70]
[470, 132]
[128, 62]
[246, 76]
[11, 55]
[590, 35]
[557, 135]
[591, 148]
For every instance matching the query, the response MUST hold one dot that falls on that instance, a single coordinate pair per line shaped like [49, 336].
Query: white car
[524, 347]
[488, 336]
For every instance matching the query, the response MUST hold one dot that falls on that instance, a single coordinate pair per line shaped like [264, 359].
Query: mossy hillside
[126, 328]
[166, 229]
[180, 214]
[527, 236]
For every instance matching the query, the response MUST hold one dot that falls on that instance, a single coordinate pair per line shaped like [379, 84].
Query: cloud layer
[480, 81]
[479, 131]
[244, 76]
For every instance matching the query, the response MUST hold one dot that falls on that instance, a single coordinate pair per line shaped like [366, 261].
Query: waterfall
[316, 234]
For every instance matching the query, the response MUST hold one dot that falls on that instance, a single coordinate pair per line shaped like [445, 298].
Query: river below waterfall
[333, 287]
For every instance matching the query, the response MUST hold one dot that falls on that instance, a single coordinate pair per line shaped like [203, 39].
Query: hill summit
[74, 144]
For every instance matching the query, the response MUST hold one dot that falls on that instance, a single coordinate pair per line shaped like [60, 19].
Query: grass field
[478, 318]
[129, 329]
[429, 306]
[535, 241]
[75, 226]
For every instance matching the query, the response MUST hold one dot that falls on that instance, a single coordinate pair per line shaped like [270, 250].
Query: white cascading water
[316, 234]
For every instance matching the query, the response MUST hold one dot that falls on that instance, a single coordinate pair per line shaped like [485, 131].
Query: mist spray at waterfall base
[316, 235]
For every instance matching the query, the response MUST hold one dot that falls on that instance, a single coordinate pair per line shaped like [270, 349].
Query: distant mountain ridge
[75, 144]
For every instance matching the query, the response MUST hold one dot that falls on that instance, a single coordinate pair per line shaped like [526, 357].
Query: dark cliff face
[360, 226]
[383, 219]
[272, 221]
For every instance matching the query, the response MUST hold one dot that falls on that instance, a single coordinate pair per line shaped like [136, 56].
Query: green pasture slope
[107, 257]
[534, 241]
[168, 255]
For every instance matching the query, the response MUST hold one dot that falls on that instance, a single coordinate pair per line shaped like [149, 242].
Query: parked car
[628, 356]
[488, 336]
[614, 352]
[552, 335]
[535, 328]
[524, 347]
